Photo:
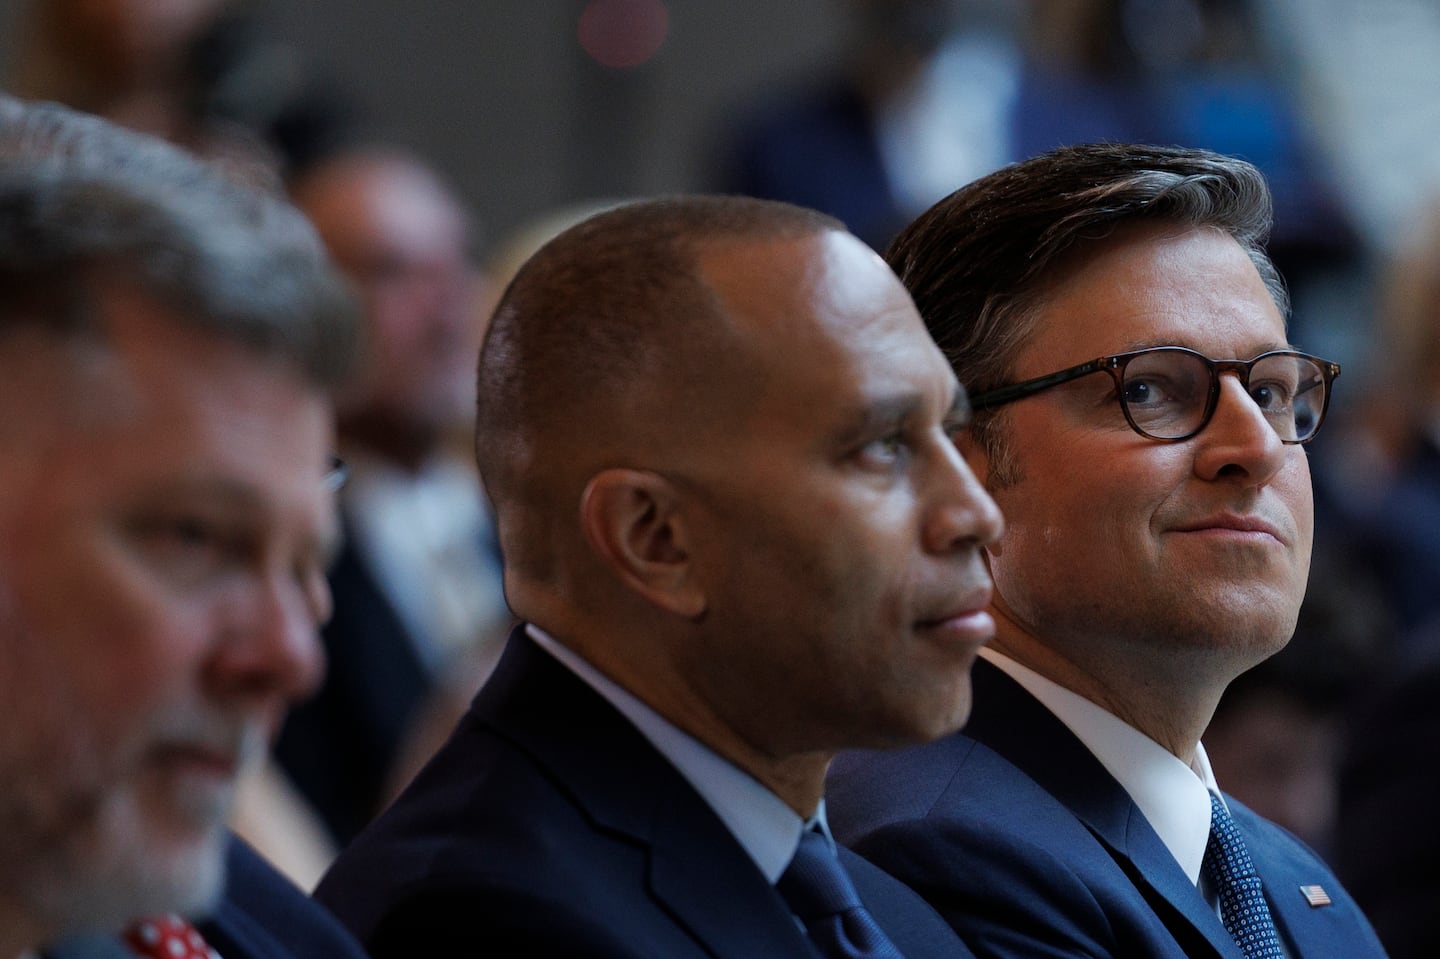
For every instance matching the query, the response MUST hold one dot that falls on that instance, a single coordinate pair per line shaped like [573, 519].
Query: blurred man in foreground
[166, 339]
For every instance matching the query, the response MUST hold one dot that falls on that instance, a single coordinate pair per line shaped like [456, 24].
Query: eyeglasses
[1169, 392]
[337, 475]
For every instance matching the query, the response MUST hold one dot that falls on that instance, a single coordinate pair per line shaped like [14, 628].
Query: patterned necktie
[1230, 872]
[167, 937]
[820, 893]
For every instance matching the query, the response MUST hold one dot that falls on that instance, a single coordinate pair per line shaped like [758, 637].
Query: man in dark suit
[718, 443]
[1139, 421]
[167, 337]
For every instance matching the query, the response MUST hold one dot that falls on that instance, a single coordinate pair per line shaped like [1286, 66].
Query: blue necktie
[1228, 867]
[818, 891]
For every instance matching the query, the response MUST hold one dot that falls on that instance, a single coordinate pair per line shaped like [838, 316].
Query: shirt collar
[766, 828]
[1174, 797]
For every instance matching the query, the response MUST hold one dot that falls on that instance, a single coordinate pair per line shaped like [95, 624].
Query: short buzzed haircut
[599, 327]
[83, 201]
[978, 263]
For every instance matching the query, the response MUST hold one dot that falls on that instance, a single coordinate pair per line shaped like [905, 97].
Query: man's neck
[798, 780]
[1172, 711]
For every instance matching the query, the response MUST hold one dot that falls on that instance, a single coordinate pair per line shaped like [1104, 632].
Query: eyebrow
[243, 502]
[887, 412]
[877, 415]
[1190, 345]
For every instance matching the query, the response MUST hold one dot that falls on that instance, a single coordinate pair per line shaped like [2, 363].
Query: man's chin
[138, 872]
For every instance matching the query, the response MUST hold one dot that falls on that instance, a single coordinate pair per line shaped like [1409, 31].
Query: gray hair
[82, 199]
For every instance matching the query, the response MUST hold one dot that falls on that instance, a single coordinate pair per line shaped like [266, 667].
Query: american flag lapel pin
[1316, 896]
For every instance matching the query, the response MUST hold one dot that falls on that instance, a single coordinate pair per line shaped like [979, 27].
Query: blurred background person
[1386, 486]
[922, 103]
[1389, 791]
[416, 585]
[209, 75]
[1384, 478]
[455, 687]
[1199, 73]
[935, 93]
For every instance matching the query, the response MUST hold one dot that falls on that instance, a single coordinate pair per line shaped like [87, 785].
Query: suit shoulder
[501, 920]
[1291, 871]
[866, 788]
[1009, 867]
[965, 787]
[264, 915]
[917, 929]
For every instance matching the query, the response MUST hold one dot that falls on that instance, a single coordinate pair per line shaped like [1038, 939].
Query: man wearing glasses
[1140, 420]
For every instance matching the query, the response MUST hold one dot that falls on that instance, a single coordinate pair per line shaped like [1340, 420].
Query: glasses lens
[1165, 392]
[1290, 391]
[336, 475]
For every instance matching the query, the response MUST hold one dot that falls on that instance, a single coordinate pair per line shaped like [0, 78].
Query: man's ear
[631, 520]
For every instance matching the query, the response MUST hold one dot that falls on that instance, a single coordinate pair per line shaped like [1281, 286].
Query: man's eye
[179, 533]
[189, 531]
[1148, 392]
[958, 430]
[1272, 395]
[188, 547]
[885, 450]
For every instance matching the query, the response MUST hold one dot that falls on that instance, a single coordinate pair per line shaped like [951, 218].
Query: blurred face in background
[121, 38]
[400, 237]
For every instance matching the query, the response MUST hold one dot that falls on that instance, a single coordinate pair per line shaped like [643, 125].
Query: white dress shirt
[421, 535]
[1174, 797]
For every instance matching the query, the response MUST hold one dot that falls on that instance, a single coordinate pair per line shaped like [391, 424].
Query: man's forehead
[146, 375]
[797, 284]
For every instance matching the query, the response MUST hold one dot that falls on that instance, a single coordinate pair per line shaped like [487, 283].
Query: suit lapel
[702, 875]
[1305, 929]
[698, 872]
[1016, 725]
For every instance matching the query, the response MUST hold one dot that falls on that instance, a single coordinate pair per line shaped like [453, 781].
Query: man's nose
[1239, 440]
[963, 514]
[271, 649]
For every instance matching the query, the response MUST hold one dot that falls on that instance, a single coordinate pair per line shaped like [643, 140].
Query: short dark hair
[599, 326]
[82, 200]
[977, 262]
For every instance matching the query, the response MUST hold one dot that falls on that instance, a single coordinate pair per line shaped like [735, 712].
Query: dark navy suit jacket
[262, 916]
[549, 826]
[1018, 835]
[339, 746]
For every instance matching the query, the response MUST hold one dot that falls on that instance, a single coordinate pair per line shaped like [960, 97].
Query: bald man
[718, 443]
